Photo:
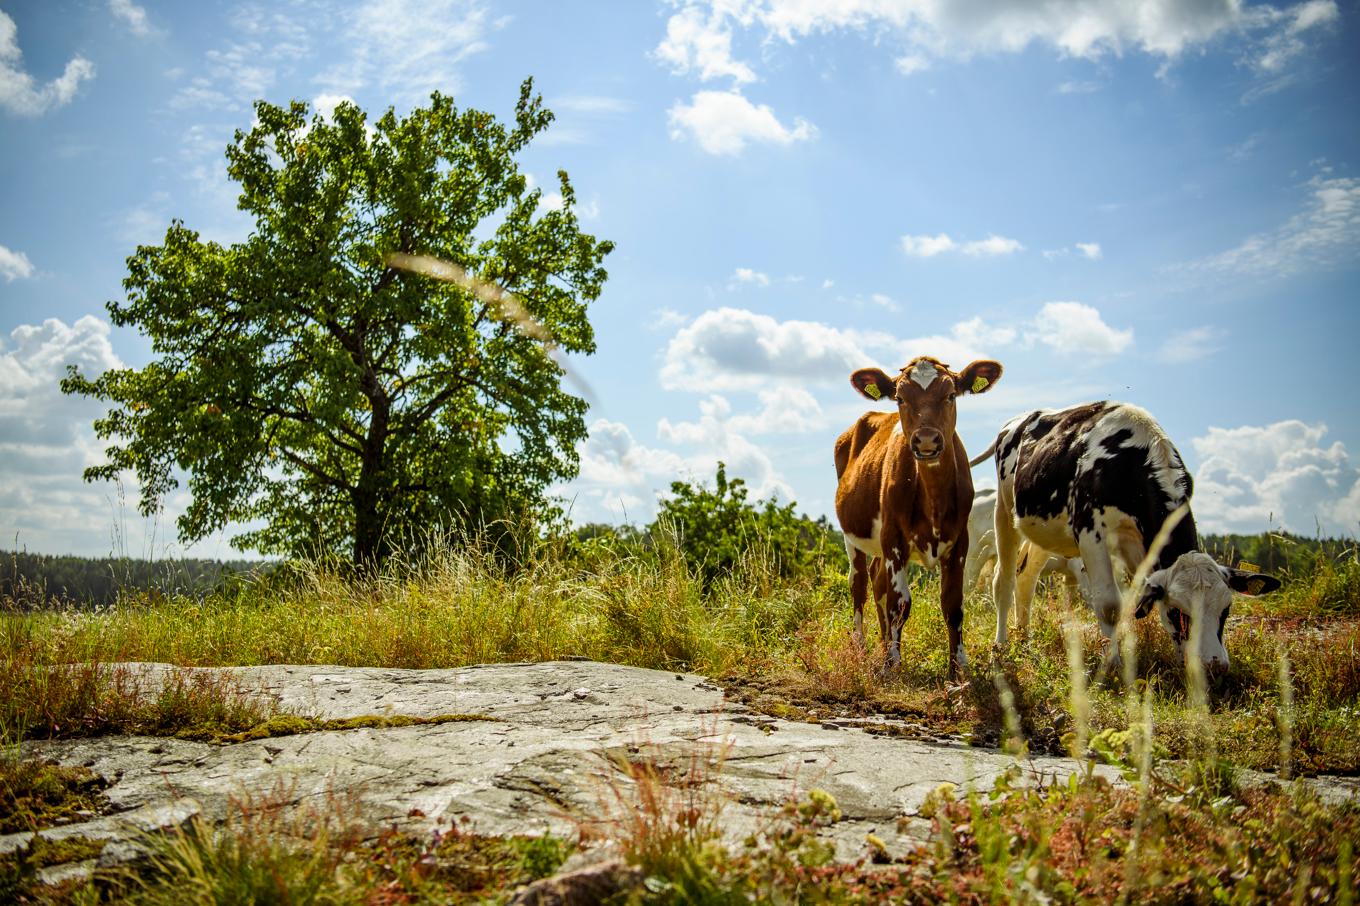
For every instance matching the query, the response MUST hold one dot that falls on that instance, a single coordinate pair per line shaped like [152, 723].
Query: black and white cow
[1097, 481]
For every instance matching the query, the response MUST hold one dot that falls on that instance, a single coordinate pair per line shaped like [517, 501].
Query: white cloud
[1078, 87]
[723, 122]
[325, 104]
[45, 436]
[18, 93]
[926, 246]
[786, 410]
[411, 47]
[1192, 345]
[731, 348]
[591, 105]
[1285, 40]
[747, 275]
[133, 16]
[703, 45]
[1072, 328]
[666, 318]
[911, 63]
[1280, 475]
[1325, 233]
[14, 265]
[699, 36]
[735, 349]
[1090, 250]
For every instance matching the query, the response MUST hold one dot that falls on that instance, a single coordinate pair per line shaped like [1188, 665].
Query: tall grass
[780, 644]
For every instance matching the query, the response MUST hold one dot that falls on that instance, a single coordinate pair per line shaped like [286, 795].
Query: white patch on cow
[1144, 434]
[961, 656]
[897, 427]
[871, 546]
[1194, 585]
[898, 578]
[924, 373]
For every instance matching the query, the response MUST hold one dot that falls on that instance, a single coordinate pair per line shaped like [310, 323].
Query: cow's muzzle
[927, 444]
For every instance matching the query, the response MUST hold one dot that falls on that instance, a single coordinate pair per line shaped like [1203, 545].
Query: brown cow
[904, 494]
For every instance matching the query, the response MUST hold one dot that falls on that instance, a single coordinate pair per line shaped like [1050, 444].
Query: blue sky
[1157, 202]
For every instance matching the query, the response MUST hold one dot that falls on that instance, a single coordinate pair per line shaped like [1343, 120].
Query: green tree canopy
[717, 526]
[301, 381]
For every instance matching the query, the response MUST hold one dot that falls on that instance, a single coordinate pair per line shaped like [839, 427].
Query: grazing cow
[904, 492]
[1097, 481]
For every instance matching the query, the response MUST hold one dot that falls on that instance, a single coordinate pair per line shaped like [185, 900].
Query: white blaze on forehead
[924, 373]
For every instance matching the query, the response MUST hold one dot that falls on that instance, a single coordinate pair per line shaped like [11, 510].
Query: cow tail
[986, 455]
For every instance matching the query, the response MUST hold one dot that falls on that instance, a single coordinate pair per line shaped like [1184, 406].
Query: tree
[717, 526]
[302, 380]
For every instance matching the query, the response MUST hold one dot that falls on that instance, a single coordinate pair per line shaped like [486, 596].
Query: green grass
[1181, 832]
[781, 645]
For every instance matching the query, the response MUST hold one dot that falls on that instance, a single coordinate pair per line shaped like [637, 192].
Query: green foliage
[717, 528]
[37, 580]
[303, 382]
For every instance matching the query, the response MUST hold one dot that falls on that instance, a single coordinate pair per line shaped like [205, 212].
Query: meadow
[1186, 829]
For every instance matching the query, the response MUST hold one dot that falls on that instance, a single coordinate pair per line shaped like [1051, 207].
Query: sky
[1143, 200]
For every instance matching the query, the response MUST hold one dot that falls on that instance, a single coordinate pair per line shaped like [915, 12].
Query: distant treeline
[1277, 552]
[33, 580]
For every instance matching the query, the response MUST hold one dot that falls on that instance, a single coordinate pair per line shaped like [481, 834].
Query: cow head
[925, 393]
[1192, 597]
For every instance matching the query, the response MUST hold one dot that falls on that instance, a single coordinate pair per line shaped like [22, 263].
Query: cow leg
[1105, 599]
[880, 589]
[859, 581]
[1032, 560]
[951, 603]
[1003, 578]
[898, 606]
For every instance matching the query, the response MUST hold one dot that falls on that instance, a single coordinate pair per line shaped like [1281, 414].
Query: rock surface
[546, 762]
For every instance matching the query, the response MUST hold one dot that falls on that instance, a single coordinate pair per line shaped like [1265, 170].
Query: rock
[582, 887]
[550, 761]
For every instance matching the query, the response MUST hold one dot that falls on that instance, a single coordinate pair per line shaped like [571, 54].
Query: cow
[1097, 481]
[1033, 563]
[903, 494]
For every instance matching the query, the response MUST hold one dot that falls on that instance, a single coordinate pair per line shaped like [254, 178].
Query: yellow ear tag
[1255, 585]
[980, 384]
[1248, 567]
[872, 389]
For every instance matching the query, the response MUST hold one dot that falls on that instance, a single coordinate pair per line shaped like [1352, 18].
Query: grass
[782, 646]
[1291, 702]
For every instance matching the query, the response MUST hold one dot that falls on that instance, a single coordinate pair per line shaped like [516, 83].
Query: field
[1185, 830]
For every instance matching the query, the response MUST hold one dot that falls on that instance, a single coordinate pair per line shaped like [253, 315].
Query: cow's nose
[927, 443]
[1217, 668]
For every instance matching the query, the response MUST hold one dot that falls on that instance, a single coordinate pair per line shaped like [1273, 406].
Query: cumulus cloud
[1089, 250]
[621, 478]
[702, 45]
[19, 94]
[731, 348]
[14, 265]
[46, 440]
[734, 349]
[1192, 345]
[132, 15]
[1280, 475]
[926, 246]
[1072, 328]
[786, 410]
[1324, 234]
[724, 122]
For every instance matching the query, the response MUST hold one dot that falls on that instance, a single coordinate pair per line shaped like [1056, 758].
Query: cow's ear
[873, 384]
[1153, 591]
[979, 376]
[1249, 583]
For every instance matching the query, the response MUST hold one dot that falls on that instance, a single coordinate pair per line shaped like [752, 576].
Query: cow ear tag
[871, 388]
[1254, 586]
[980, 384]
[1247, 566]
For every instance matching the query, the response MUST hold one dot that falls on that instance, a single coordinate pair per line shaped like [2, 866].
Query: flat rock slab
[547, 761]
